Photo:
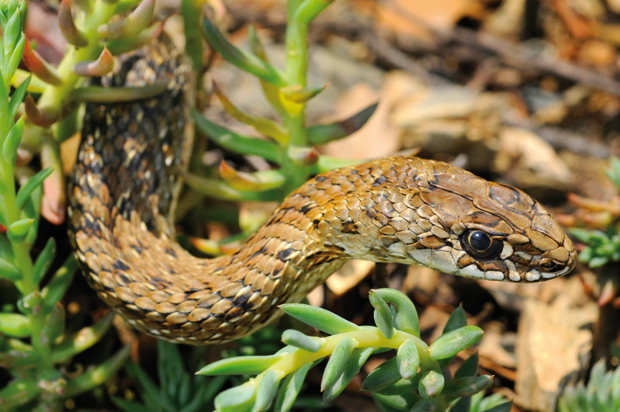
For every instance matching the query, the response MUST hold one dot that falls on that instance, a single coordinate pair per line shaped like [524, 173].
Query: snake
[402, 209]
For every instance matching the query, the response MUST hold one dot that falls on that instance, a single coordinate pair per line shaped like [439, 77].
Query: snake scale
[398, 209]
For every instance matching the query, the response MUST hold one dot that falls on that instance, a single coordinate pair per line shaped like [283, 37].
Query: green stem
[366, 337]
[57, 96]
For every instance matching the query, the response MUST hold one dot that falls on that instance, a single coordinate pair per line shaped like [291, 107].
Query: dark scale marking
[259, 252]
[242, 300]
[171, 252]
[120, 265]
[305, 208]
[370, 212]
[379, 181]
[320, 178]
[284, 254]
[349, 227]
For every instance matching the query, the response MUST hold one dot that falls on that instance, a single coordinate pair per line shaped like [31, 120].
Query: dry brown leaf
[439, 14]
[377, 138]
[553, 349]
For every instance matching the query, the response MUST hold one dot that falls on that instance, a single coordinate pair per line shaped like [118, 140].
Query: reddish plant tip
[67, 26]
[100, 67]
[41, 117]
[39, 67]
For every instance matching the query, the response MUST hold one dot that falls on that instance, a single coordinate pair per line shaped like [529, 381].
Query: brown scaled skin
[398, 209]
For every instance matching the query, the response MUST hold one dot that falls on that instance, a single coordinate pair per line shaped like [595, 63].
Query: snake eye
[480, 245]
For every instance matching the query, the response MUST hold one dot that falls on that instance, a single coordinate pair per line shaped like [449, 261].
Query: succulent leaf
[451, 343]
[241, 365]
[319, 318]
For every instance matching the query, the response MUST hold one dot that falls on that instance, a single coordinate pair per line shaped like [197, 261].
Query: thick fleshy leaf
[11, 142]
[327, 163]
[264, 126]
[192, 11]
[302, 341]
[30, 304]
[44, 260]
[324, 133]
[18, 392]
[16, 55]
[451, 343]
[302, 156]
[219, 189]
[382, 315]
[308, 10]
[322, 319]
[57, 286]
[468, 386]
[242, 59]
[97, 68]
[97, 375]
[383, 376]
[130, 25]
[67, 26]
[8, 270]
[401, 386]
[17, 231]
[254, 182]
[35, 181]
[266, 390]
[270, 91]
[424, 405]
[39, 67]
[237, 399]
[128, 44]
[54, 324]
[354, 363]
[431, 384]
[43, 117]
[18, 96]
[232, 141]
[337, 361]
[301, 95]
[290, 389]
[15, 325]
[408, 359]
[81, 340]
[98, 94]
[395, 403]
[406, 318]
[457, 320]
[18, 358]
[240, 365]
[507, 407]
[468, 368]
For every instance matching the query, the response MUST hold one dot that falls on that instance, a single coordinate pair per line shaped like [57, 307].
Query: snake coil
[398, 209]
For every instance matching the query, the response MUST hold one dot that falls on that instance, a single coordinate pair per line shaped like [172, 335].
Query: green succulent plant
[415, 379]
[601, 394]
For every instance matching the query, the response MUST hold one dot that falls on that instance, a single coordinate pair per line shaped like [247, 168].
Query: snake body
[397, 209]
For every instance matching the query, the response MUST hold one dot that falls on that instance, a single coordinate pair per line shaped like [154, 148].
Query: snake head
[430, 213]
[496, 232]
